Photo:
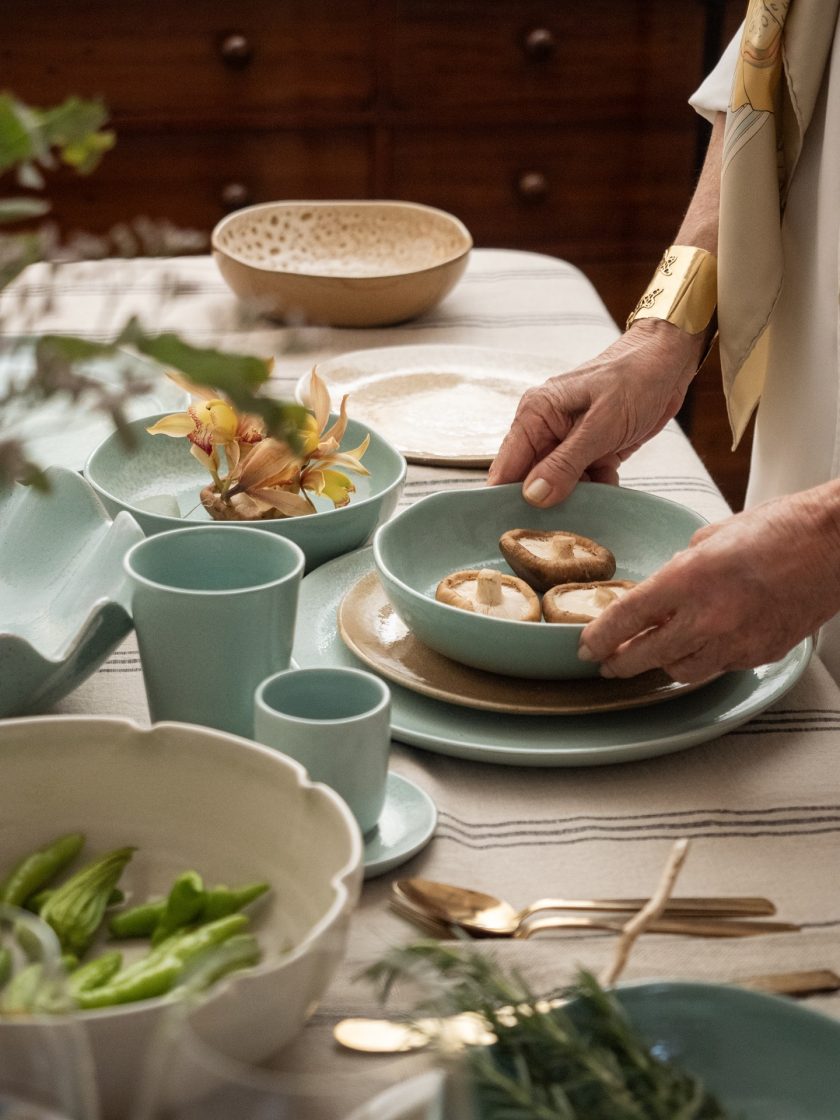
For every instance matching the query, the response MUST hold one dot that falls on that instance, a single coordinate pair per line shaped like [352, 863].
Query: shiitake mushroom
[546, 558]
[488, 591]
[581, 602]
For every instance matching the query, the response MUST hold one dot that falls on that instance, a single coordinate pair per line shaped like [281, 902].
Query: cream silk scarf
[784, 51]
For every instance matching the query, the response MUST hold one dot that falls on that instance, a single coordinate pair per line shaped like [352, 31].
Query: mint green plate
[460, 529]
[764, 1057]
[572, 740]
[160, 467]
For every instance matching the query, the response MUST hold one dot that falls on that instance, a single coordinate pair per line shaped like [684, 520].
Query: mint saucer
[406, 825]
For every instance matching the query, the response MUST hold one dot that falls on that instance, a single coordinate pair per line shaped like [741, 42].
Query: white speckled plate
[58, 433]
[516, 740]
[447, 405]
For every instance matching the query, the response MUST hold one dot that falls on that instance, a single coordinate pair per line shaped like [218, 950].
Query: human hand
[584, 423]
[743, 593]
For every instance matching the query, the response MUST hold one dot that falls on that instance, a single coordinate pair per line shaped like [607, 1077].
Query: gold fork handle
[735, 906]
[692, 927]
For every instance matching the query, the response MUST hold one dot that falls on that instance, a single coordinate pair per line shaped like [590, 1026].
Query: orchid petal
[338, 429]
[317, 399]
[210, 462]
[289, 504]
[337, 487]
[188, 386]
[269, 461]
[176, 424]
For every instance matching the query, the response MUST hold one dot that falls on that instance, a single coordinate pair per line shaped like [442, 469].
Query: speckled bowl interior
[458, 529]
[349, 263]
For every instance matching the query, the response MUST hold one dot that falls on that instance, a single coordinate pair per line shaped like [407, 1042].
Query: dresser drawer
[600, 61]
[170, 60]
[193, 179]
[587, 195]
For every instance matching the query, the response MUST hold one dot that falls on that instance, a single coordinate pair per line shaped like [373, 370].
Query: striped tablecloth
[762, 804]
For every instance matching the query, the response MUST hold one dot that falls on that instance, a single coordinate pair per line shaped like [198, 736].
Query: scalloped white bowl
[344, 263]
[64, 597]
[191, 798]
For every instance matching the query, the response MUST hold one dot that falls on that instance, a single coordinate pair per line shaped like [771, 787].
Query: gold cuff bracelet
[683, 290]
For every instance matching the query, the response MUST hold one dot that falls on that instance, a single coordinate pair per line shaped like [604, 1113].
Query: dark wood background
[548, 125]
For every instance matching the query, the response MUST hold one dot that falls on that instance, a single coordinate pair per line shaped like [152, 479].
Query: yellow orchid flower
[265, 477]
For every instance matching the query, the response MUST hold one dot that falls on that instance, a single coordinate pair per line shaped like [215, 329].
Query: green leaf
[20, 209]
[15, 139]
[72, 349]
[228, 373]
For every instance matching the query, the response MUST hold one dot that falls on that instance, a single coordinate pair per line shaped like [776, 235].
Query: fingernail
[536, 491]
[606, 671]
[585, 653]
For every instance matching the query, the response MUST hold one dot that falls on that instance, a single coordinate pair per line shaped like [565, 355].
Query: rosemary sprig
[582, 1061]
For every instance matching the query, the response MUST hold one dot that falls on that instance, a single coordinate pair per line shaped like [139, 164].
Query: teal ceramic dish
[763, 1057]
[157, 473]
[459, 529]
[64, 598]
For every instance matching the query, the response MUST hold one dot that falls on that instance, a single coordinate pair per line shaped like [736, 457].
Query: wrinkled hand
[743, 593]
[584, 423]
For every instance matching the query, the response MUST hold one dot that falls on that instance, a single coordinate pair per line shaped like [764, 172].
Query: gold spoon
[484, 914]
[686, 925]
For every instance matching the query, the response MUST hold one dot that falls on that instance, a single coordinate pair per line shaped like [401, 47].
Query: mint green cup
[214, 612]
[336, 723]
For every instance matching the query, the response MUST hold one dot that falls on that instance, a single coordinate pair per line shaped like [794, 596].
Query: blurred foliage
[33, 143]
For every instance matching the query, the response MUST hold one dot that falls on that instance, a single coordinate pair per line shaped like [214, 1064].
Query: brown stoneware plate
[375, 633]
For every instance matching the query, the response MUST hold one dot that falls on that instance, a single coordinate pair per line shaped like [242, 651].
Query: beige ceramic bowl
[346, 264]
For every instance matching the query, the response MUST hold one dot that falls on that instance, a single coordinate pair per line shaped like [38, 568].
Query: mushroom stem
[489, 587]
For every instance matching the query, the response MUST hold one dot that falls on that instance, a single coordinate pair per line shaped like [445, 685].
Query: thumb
[556, 476]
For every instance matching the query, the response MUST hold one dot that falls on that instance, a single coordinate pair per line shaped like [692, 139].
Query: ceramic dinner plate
[372, 629]
[406, 825]
[429, 401]
[63, 435]
[560, 740]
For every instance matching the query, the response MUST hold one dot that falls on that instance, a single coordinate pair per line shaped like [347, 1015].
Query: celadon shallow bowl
[155, 467]
[64, 598]
[459, 529]
[343, 263]
[190, 798]
[763, 1057]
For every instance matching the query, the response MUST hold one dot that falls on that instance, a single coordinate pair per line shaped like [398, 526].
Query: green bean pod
[183, 905]
[242, 950]
[128, 986]
[37, 869]
[78, 905]
[221, 900]
[36, 901]
[94, 973]
[138, 921]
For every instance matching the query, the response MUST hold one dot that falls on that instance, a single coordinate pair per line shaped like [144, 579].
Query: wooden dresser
[551, 125]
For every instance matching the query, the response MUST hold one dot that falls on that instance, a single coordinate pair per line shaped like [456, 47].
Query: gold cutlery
[485, 914]
[687, 926]
[389, 1036]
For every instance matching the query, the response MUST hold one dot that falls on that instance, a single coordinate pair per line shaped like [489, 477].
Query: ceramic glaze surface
[446, 405]
[157, 466]
[514, 740]
[406, 825]
[64, 598]
[764, 1057]
[460, 529]
[359, 264]
[189, 797]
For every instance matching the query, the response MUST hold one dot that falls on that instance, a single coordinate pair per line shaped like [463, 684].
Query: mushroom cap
[581, 602]
[545, 558]
[490, 592]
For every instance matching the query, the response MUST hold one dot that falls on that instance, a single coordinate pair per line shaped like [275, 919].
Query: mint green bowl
[764, 1057]
[135, 478]
[459, 529]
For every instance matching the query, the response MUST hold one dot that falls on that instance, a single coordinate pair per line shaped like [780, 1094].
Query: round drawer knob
[236, 50]
[532, 185]
[235, 195]
[539, 43]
